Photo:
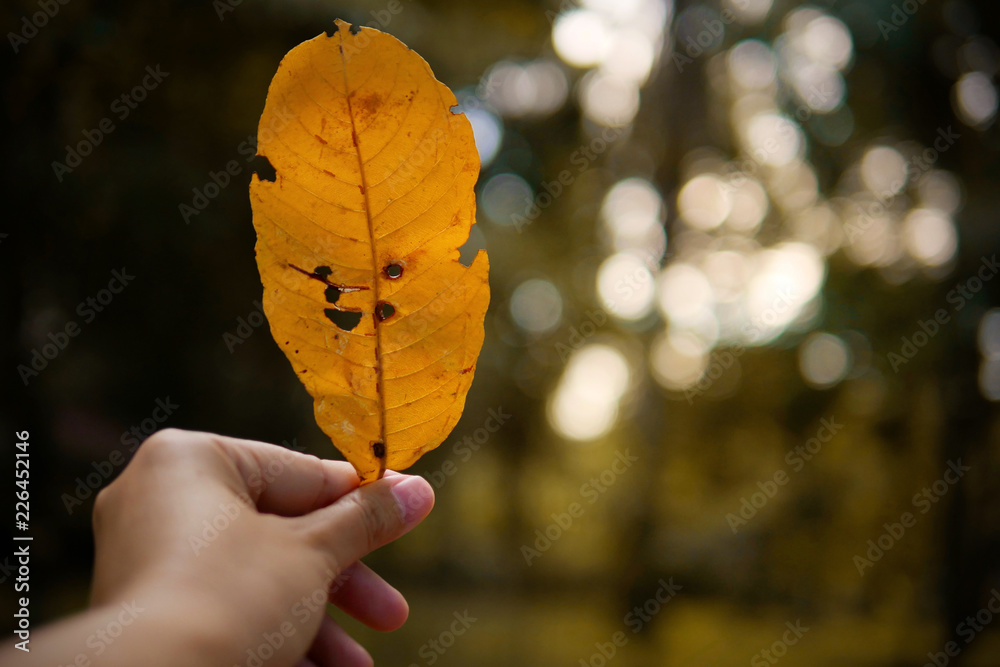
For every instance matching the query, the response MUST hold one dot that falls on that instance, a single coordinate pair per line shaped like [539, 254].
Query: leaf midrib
[379, 385]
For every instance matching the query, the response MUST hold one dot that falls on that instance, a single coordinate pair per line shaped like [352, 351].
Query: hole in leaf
[394, 271]
[332, 294]
[261, 166]
[467, 253]
[344, 319]
[323, 271]
[384, 311]
[378, 449]
[456, 109]
[355, 29]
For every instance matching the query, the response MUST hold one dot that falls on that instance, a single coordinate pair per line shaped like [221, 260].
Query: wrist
[166, 630]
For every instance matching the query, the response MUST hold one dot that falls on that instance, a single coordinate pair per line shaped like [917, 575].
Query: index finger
[277, 480]
[284, 481]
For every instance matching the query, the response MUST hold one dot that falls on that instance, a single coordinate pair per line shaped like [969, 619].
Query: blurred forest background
[742, 315]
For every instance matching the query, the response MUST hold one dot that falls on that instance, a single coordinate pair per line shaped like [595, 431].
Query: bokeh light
[976, 100]
[749, 205]
[609, 100]
[704, 202]
[989, 379]
[824, 360]
[677, 362]
[940, 190]
[884, 171]
[581, 37]
[749, 11]
[989, 334]
[585, 404]
[505, 196]
[752, 65]
[625, 286]
[518, 90]
[930, 237]
[685, 294]
[633, 213]
[774, 140]
[536, 306]
[488, 132]
[631, 56]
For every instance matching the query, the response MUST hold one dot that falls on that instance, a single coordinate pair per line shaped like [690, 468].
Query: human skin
[213, 551]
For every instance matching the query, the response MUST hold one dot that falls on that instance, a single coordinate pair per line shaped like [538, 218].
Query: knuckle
[103, 502]
[167, 444]
[167, 437]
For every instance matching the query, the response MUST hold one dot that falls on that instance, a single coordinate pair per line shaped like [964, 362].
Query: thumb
[368, 517]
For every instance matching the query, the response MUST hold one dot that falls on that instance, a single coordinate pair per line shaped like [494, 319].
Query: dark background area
[163, 338]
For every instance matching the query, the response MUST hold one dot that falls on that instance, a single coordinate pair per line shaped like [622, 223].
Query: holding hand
[216, 551]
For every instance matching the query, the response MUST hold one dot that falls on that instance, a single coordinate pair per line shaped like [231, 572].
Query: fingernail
[414, 496]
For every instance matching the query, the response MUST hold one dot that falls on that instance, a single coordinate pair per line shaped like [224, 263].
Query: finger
[286, 482]
[368, 517]
[333, 647]
[305, 662]
[370, 599]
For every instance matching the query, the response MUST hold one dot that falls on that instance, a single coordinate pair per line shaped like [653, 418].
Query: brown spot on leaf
[366, 105]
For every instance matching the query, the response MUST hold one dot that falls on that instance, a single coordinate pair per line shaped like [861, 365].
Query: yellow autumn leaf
[358, 240]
